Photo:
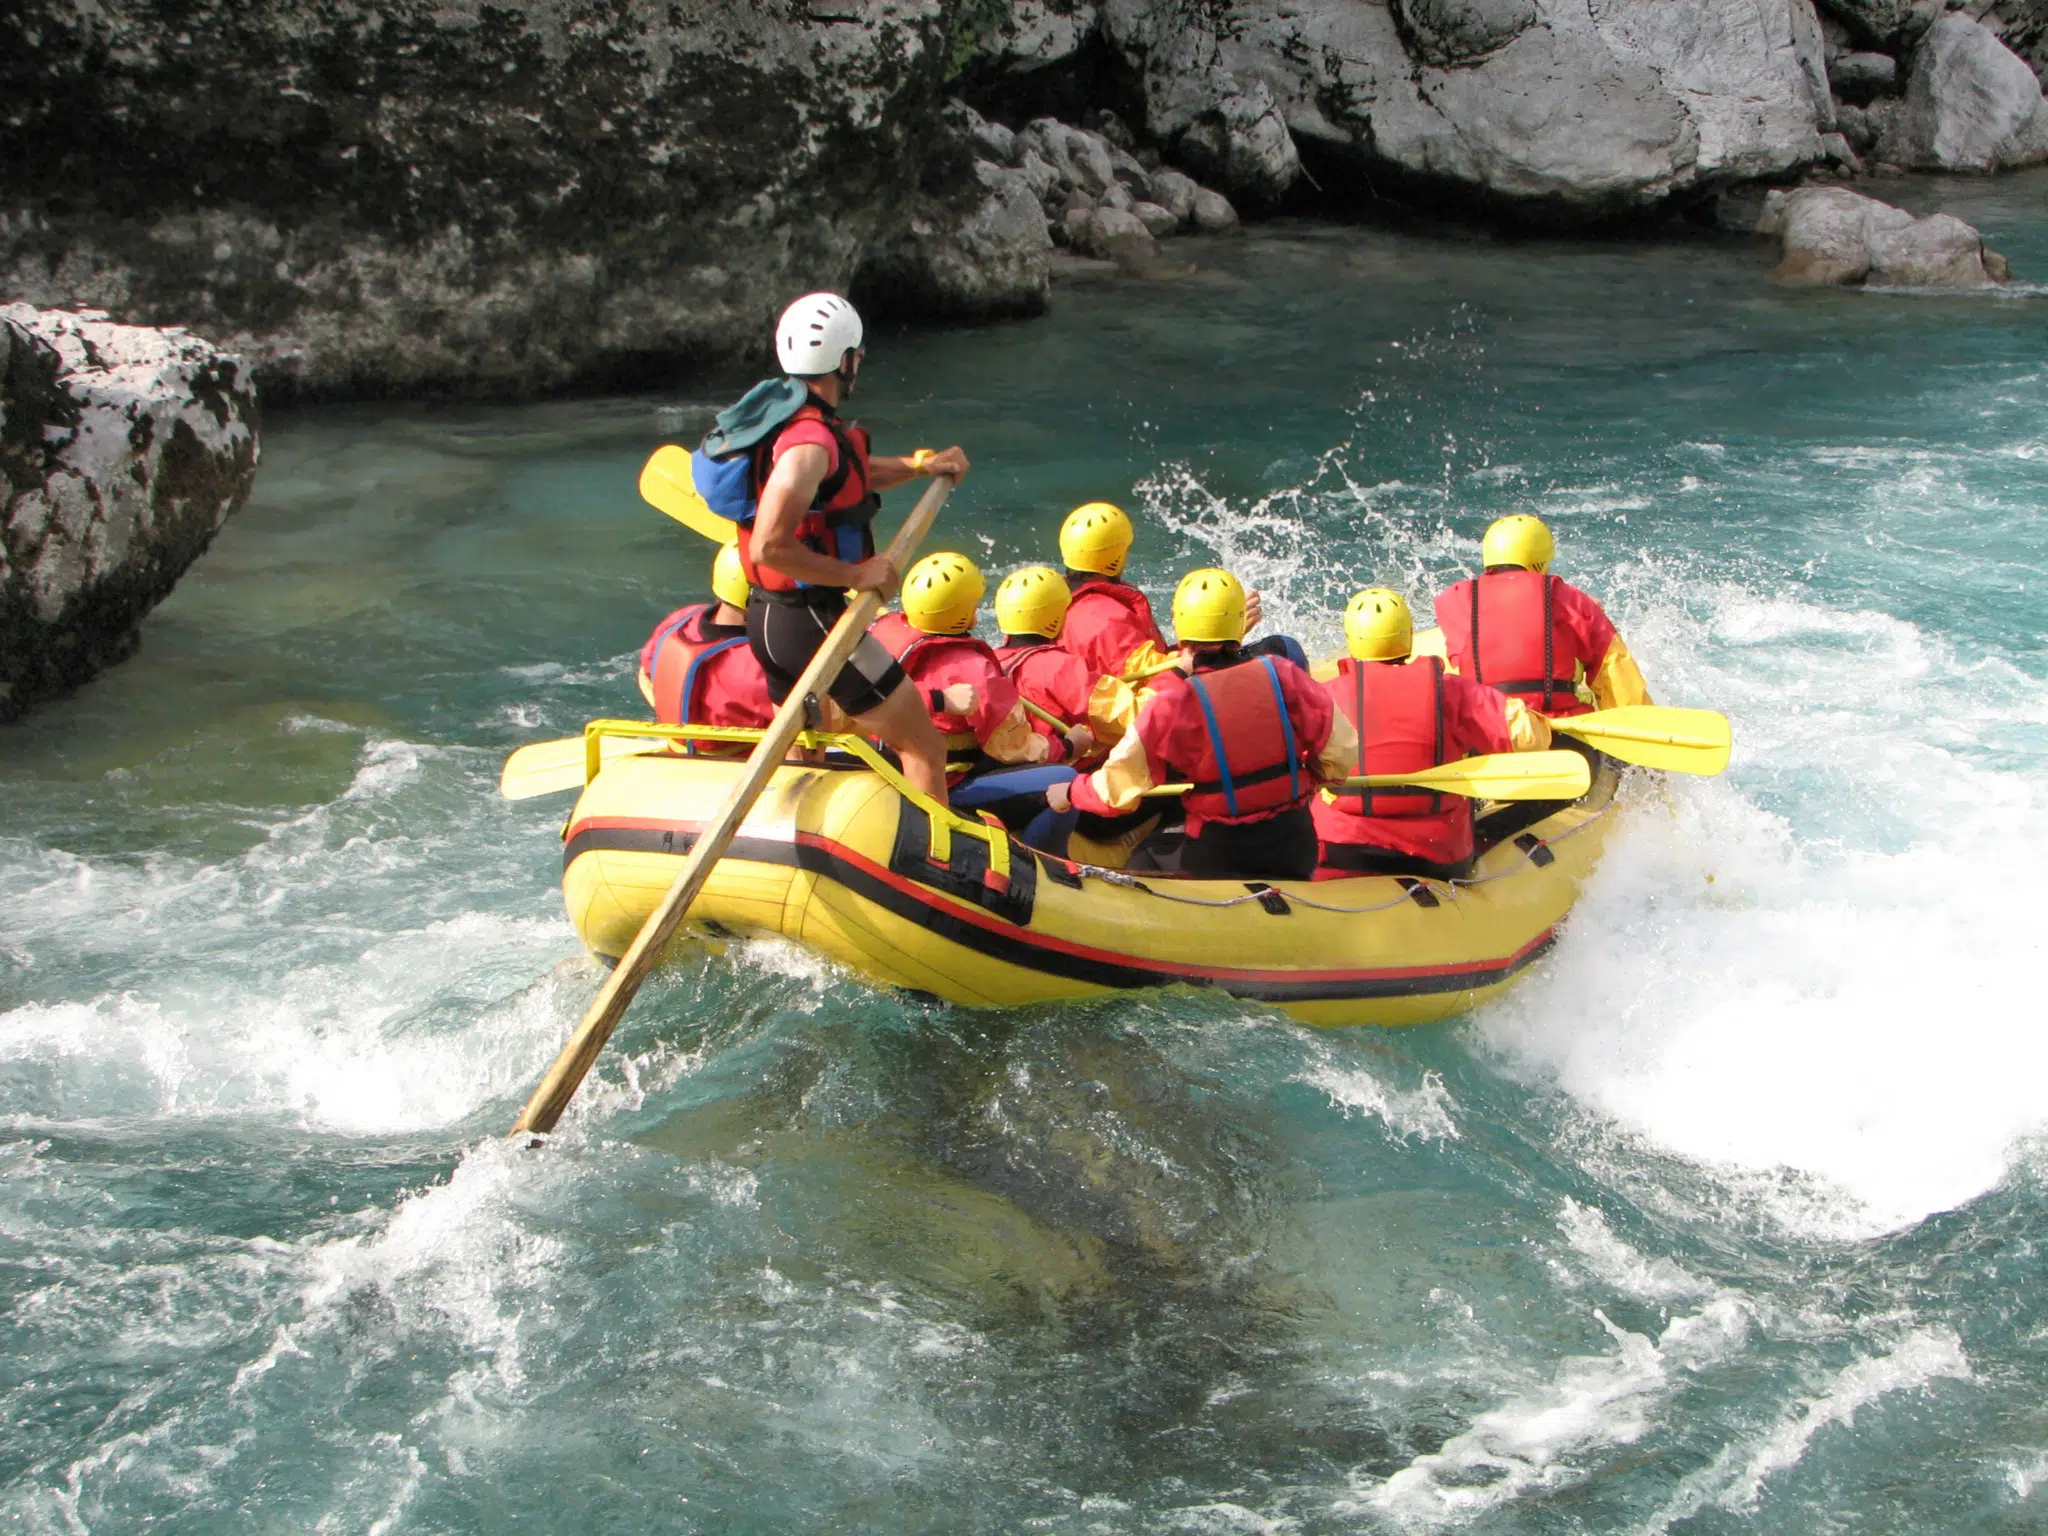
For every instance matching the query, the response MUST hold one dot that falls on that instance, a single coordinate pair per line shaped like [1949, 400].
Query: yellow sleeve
[1619, 681]
[1125, 774]
[1339, 758]
[1112, 710]
[1014, 741]
[1527, 730]
[1146, 660]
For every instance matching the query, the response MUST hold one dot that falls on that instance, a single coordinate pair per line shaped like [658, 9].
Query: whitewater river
[1730, 1218]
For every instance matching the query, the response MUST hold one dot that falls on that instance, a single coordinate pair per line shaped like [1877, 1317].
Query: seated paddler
[1065, 695]
[1001, 761]
[1253, 735]
[1109, 621]
[1532, 635]
[1410, 713]
[697, 668]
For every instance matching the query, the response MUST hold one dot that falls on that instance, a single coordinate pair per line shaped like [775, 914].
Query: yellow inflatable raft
[846, 859]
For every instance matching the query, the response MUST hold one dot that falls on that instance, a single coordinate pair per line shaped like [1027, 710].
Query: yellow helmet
[1378, 626]
[941, 594]
[729, 582]
[1096, 537]
[1517, 539]
[1033, 601]
[1208, 607]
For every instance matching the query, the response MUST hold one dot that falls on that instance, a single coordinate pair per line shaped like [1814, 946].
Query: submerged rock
[122, 451]
[1832, 236]
[1971, 104]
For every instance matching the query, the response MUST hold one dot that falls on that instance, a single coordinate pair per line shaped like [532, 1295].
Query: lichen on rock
[122, 451]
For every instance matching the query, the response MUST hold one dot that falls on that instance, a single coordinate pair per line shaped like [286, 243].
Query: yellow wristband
[920, 458]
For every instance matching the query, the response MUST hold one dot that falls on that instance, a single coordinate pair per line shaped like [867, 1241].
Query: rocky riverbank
[515, 199]
[122, 451]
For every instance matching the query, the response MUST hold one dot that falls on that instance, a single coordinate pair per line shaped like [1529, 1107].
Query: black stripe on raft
[1018, 948]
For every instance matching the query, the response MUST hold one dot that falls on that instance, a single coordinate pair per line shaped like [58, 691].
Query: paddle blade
[1504, 776]
[549, 767]
[1676, 740]
[666, 484]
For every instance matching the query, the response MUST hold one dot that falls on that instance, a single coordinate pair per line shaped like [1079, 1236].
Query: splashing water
[1728, 1218]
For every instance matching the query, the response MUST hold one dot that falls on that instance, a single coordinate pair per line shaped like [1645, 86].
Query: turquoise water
[1729, 1219]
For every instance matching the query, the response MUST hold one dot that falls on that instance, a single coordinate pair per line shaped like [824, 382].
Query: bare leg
[900, 722]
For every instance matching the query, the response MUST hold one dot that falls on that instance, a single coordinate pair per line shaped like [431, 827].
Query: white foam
[1426, 1111]
[1620, 1264]
[1531, 1441]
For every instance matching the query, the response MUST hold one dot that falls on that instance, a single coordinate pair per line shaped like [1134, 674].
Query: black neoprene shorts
[785, 636]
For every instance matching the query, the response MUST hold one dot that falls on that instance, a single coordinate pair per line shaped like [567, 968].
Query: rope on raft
[1449, 888]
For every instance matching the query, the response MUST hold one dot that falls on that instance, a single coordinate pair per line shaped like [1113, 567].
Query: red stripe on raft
[926, 896]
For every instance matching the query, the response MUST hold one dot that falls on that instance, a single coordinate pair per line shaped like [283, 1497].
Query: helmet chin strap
[846, 375]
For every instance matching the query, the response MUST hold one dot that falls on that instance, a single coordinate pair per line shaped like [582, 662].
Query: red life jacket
[1504, 630]
[690, 686]
[904, 640]
[1400, 723]
[1251, 765]
[840, 522]
[1106, 621]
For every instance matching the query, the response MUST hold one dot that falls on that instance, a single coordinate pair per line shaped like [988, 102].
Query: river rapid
[1729, 1218]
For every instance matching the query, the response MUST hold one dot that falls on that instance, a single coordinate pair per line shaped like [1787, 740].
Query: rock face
[1971, 104]
[490, 198]
[1555, 107]
[122, 451]
[1832, 236]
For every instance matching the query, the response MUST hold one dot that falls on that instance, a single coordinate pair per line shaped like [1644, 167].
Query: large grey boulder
[122, 451]
[494, 198]
[994, 260]
[1971, 104]
[1559, 107]
[1831, 236]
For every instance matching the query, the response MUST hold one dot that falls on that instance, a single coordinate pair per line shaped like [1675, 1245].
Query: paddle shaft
[616, 995]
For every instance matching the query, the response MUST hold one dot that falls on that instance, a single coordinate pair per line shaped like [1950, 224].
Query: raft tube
[843, 860]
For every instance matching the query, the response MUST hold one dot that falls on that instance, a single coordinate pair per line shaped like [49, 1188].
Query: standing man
[1532, 635]
[1255, 735]
[809, 542]
[1409, 715]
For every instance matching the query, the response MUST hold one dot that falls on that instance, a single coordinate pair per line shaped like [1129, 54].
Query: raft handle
[1534, 846]
[1270, 899]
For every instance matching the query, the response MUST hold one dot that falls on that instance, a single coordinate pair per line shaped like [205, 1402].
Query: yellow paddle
[616, 995]
[549, 767]
[1503, 776]
[1677, 740]
[666, 483]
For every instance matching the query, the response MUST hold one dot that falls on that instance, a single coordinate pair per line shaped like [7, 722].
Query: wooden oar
[613, 998]
[549, 767]
[1677, 740]
[667, 484]
[1503, 776]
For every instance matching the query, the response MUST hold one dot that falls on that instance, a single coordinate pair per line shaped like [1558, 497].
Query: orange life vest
[1503, 629]
[1251, 764]
[840, 522]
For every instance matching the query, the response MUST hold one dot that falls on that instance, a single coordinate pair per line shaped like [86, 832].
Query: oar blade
[667, 484]
[1695, 741]
[1512, 776]
[550, 767]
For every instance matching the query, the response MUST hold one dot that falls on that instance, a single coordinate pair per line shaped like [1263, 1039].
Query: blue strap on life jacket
[1286, 726]
[690, 679]
[1227, 784]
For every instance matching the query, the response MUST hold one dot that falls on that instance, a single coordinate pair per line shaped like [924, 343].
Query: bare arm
[792, 487]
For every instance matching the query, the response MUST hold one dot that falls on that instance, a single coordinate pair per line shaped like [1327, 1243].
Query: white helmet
[815, 334]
